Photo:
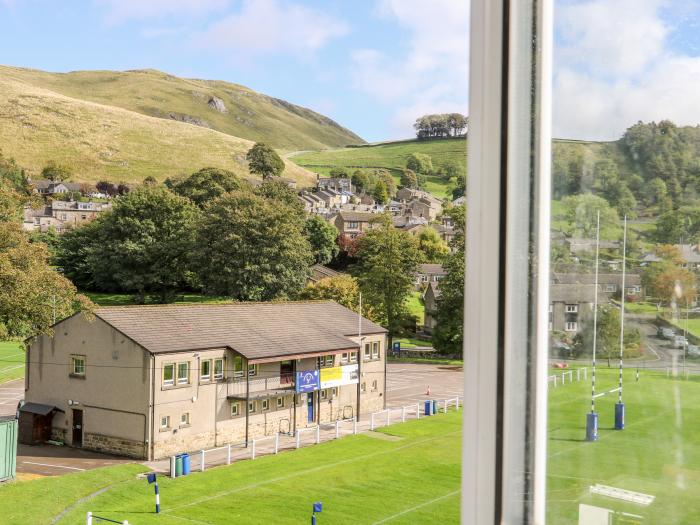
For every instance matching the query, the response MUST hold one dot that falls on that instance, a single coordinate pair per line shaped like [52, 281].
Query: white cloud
[432, 74]
[614, 66]
[272, 26]
[118, 11]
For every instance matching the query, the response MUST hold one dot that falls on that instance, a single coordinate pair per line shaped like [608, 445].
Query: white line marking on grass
[307, 471]
[11, 368]
[424, 504]
[50, 465]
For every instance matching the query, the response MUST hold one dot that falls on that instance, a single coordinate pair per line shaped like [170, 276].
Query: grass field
[391, 156]
[413, 476]
[416, 306]
[11, 361]
[658, 453]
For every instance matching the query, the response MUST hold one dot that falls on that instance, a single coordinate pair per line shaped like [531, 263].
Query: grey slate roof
[573, 293]
[631, 279]
[430, 268]
[255, 330]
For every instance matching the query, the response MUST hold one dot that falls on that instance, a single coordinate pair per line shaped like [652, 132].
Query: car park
[667, 333]
[694, 350]
[680, 342]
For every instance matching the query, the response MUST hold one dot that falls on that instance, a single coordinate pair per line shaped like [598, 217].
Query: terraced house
[151, 381]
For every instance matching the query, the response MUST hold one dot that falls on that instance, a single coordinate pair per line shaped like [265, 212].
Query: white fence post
[403, 414]
[371, 424]
[252, 451]
[277, 442]
[445, 406]
[354, 425]
[298, 438]
[458, 403]
[563, 378]
[89, 518]
[228, 454]
[201, 461]
[585, 373]
[417, 410]
[337, 435]
[172, 466]
[388, 416]
[318, 434]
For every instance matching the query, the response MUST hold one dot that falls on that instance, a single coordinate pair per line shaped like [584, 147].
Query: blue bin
[185, 464]
[592, 426]
[619, 416]
[428, 407]
[434, 407]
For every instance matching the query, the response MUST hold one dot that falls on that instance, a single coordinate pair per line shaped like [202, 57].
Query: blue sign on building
[307, 381]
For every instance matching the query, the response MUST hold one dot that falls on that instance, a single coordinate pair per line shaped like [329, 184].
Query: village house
[312, 202]
[338, 184]
[62, 215]
[609, 283]
[428, 273]
[569, 305]
[690, 253]
[353, 223]
[152, 381]
[430, 299]
[50, 187]
[579, 245]
[319, 272]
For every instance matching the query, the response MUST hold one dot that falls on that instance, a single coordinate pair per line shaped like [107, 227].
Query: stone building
[62, 215]
[152, 381]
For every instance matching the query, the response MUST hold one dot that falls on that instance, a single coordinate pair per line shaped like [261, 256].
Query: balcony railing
[237, 385]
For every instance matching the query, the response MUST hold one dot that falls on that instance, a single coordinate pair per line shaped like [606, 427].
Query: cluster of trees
[667, 280]
[608, 340]
[32, 293]
[441, 125]
[209, 231]
[378, 183]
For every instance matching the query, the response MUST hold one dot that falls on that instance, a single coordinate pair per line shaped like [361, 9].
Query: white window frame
[368, 352]
[251, 407]
[353, 357]
[344, 358]
[375, 350]
[280, 402]
[571, 326]
[324, 393]
[169, 382]
[571, 309]
[235, 409]
[507, 275]
[219, 375]
[179, 380]
[236, 361]
[74, 359]
[252, 370]
[184, 419]
[167, 422]
[202, 375]
[264, 405]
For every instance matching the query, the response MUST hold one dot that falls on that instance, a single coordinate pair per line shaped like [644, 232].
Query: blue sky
[374, 65]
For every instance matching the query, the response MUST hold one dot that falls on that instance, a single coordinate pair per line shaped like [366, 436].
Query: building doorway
[310, 407]
[77, 428]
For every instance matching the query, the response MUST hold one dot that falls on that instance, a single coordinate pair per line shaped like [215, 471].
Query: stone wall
[114, 445]
[58, 434]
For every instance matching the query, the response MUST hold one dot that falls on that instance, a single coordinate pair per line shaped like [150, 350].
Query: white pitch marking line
[50, 465]
[424, 504]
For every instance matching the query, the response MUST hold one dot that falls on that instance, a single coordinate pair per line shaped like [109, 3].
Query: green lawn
[658, 453]
[416, 306]
[11, 360]
[121, 299]
[414, 477]
[391, 156]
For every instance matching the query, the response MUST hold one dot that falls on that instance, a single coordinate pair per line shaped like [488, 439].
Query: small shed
[8, 447]
[35, 423]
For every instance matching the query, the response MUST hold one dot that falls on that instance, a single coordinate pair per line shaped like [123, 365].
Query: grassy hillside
[99, 141]
[245, 113]
[390, 155]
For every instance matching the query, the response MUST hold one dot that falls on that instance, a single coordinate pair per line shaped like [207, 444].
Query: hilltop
[221, 106]
[100, 141]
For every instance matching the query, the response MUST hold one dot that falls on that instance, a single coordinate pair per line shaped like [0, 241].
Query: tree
[279, 191]
[433, 248]
[385, 177]
[448, 334]
[608, 340]
[10, 203]
[55, 172]
[581, 215]
[150, 181]
[206, 184]
[32, 294]
[340, 173]
[123, 189]
[409, 179]
[343, 289]
[264, 161]
[143, 246]
[420, 163]
[251, 248]
[452, 169]
[107, 188]
[667, 280]
[387, 261]
[380, 193]
[360, 180]
[322, 237]
[676, 226]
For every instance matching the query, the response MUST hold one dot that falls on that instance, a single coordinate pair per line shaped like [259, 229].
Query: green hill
[222, 106]
[99, 141]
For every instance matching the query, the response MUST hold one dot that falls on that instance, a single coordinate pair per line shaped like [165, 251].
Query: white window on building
[235, 410]
[205, 373]
[183, 373]
[324, 393]
[252, 370]
[367, 351]
[218, 369]
[424, 278]
[280, 402]
[168, 374]
[265, 404]
[374, 385]
[353, 357]
[610, 288]
[334, 391]
[251, 406]
[165, 422]
[571, 308]
[363, 387]
[353, 225]
[375, 350]
[571, 326]
[77, 365]
[237, 366]
[343, 358]
[330, 360]
[185, 419]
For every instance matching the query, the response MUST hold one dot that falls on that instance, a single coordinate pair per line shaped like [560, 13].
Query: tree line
[441, 125]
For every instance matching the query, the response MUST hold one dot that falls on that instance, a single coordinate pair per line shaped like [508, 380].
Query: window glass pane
[206, 369]
[182, 373]
[218, 368]
[168, 374]
[623, 385]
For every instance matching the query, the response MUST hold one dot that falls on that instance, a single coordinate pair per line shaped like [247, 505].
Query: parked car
[694, 350]
[667, 333]
[679, 342]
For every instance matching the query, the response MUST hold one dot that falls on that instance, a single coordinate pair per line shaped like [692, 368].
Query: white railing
[300, 431]
[554, 378]
[448, 402]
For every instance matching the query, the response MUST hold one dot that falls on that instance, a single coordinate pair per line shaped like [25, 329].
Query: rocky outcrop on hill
[189, 119]
[217, 104]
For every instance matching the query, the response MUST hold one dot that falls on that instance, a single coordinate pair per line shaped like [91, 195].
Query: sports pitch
[410, 473]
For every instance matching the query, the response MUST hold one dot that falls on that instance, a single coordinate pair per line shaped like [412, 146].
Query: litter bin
[434, 407]
[185, 464]
[178, 465]
[428, 407]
